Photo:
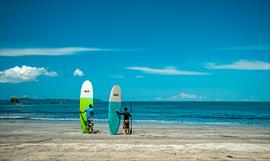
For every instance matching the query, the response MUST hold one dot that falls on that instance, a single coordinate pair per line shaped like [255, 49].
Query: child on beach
[90, 118]
[126, 120]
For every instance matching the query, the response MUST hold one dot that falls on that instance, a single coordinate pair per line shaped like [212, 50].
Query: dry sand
[65, 142]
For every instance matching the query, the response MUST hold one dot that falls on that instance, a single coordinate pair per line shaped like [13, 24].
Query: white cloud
[24, 74]
[182, 97]
[240, 48]
[118, 76]
[78, 73]
[139, 76]
[186, 96]
[241, 65]
[166, 71]
[54, 51]
[46, 51]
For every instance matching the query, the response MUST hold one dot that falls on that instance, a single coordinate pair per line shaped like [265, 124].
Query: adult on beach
[90, 118]
[126, 120]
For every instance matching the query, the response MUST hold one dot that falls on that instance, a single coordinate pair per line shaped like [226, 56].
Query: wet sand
[65, 142]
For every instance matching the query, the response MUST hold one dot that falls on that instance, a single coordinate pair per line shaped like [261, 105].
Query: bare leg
[92, 129]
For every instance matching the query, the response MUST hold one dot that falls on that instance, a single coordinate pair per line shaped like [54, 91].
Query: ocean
[153, 112]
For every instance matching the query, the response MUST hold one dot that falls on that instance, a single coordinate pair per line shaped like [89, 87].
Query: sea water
[167, 113]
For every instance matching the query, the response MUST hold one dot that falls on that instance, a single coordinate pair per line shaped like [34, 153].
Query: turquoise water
[170, 113]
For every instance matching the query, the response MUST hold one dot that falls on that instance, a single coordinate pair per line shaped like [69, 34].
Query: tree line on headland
[15, 100]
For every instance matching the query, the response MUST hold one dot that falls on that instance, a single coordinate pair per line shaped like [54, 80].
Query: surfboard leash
[130, 104]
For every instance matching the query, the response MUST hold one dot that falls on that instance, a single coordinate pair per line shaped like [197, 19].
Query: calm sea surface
[170, 113]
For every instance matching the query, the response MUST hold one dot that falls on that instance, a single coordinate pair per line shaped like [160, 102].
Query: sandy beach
[64, 141]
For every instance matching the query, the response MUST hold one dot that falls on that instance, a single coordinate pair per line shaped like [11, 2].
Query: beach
[190, 76]
[65, 141]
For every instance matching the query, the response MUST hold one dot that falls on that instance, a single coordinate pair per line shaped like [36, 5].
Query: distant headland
[24, 100]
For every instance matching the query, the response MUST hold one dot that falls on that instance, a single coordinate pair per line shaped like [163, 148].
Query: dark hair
[125, 109]
[90, 106]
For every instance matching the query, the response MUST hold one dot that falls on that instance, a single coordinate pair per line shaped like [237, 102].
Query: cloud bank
[24, 74]
[182, 97]
[78, 73]
[46, 51]
[241, 65]
[165, 71]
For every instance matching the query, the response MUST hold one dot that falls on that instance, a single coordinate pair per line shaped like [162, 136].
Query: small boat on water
[14, 100]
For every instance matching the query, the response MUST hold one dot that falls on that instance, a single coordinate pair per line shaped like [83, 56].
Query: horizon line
[101, 100]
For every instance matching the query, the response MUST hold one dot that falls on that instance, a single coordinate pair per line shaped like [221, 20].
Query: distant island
[14, 100]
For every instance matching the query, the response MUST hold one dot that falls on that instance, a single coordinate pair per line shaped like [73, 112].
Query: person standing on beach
[126, 120]
[90, 118]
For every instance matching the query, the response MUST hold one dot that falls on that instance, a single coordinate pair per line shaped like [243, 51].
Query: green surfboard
[86, 98]
[114, 104]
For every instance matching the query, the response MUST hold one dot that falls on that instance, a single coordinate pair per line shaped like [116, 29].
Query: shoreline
[60, 141]
[141, 123]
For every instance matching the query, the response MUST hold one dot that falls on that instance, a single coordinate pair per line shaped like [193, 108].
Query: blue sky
[155, 50]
